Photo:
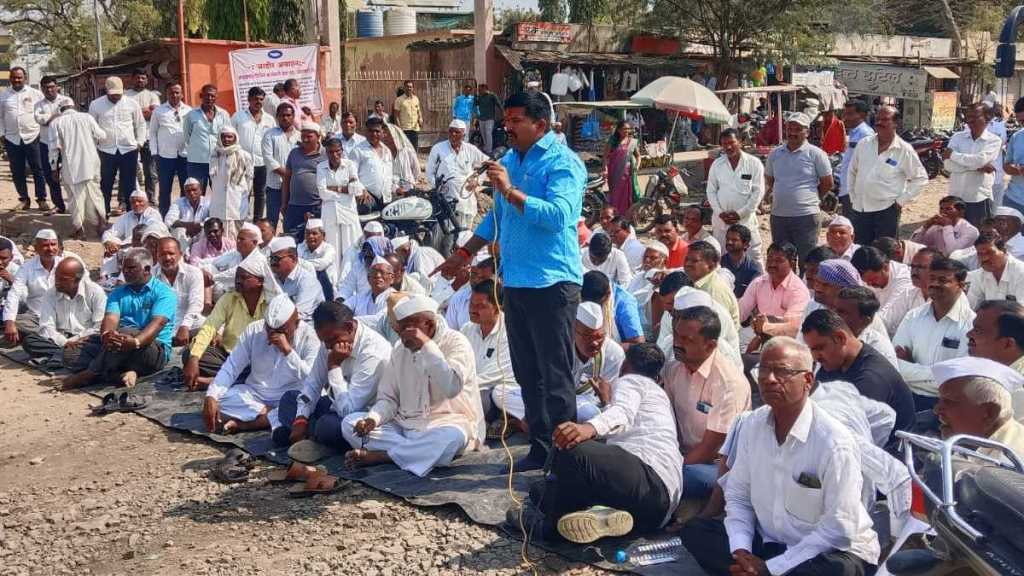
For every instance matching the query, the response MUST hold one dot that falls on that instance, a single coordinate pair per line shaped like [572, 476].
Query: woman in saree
[621, 164]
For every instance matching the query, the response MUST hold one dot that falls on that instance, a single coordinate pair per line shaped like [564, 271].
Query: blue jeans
[295, 220]
[324, 423]
[200, 171]
[699, 480]
[168, 168]
[273, 206]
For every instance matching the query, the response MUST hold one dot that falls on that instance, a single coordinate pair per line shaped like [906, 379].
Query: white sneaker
[594, 523]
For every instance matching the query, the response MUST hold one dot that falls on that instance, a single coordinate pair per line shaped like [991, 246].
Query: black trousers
[20, 156]
[870, 226]
[149, 178]
[540, 338]
[109, 366]
[801, 231]
[259, 191]
[977, 212]
[708, 542]
[413, 137]
[52, 178]
[596, 474]
[120, 166]
[210, 362]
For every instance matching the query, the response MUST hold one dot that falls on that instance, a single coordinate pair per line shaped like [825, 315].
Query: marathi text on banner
[265, 67]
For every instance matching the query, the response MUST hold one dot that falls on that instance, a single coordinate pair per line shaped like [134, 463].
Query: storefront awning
[517, 58]
[940, 72]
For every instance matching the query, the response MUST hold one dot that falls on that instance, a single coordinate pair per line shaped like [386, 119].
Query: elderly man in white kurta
[75, 136]
[186, 215]
[141, 214]
[222, 268]
[428, 405]
[337, 181]
[735, 189]
[453, 161]
[231, 174]
[279, 353]
[320, 254]
[374, 299]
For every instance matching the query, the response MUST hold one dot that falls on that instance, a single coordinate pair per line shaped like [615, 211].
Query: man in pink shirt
[948, 230]
[292, 95]
[707, 392]
[774, 302]
[212, 244]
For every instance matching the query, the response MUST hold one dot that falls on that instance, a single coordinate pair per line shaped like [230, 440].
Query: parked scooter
[975, 504]
[425, 216]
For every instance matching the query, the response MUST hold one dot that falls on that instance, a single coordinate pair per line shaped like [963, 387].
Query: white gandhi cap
[688, 297]
[414, 304]
[281, 243]
[279, 311]
[46, 234]
[590, 315]
[972, 366]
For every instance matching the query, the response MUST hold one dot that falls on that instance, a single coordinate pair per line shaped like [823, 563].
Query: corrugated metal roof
[940, 72]
[518, 57]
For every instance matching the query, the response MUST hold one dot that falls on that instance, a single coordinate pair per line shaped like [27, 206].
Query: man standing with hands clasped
[540, 185]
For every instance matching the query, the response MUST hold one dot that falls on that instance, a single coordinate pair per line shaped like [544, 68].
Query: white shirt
[763, 494]
[612, 357]
[271, 373]
[17, 114]
[46, 111]
[349, 144]
[276, 146]
[640, 420]
[76, 134]
[969, 154]
[270, 103]
[352, 386]
[493, 359]
[251, 132]
[982, 285]
[345, 174]
[930, 341]
[80, 316]
[616, 267]
[739, 189]
[1015, 246]
[910, 249]
[167, 131]
[323, 259]
[376, 169]
[899, 282]
[877, 337]
[878, 180]
[230, 200]
[444, 163]
[457, 312]
[188, 285]
[181, 210]
[634, 251]
[303, 287]
[122, 122]
[900, 307]
[145, 98]
[30, 285]
[127, 222]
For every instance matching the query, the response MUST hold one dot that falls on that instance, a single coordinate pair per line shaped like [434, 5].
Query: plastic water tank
[400, 21]
[369, 24]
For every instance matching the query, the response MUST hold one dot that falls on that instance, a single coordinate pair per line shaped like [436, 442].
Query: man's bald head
[68, 276]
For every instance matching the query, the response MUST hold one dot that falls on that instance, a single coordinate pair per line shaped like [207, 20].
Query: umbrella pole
[672, 140]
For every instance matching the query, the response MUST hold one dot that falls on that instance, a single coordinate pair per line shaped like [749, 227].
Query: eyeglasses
[780, 372]
[274, 258]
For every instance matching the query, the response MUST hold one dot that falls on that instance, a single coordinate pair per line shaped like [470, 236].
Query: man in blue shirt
[855, 113]
[737, 260]
[625, 326]
[539, 198]
[1014, 163]
[135, 336]
[464, 105]
[201, 132]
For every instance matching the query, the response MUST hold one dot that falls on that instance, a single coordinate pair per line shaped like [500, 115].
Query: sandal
[129, 403]
[240, 458]
[322, 483]
[297, 472]
[229, 474]
[107, 405]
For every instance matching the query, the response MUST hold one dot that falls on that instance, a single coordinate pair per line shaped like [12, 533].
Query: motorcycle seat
[364, 218]
[995, 496]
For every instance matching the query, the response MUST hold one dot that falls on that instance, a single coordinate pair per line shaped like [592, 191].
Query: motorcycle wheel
[642, 214]
[933, 168]
[830, 203]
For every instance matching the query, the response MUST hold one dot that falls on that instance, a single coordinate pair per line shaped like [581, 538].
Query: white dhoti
[719, 228]
[341, 228]
[86, 204]
[414, 451]
[510, 400]
[244, 404]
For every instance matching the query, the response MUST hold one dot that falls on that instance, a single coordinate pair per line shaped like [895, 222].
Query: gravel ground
[122, 495]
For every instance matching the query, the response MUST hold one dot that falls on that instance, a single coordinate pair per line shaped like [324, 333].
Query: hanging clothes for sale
[630, 80]
[559, 84]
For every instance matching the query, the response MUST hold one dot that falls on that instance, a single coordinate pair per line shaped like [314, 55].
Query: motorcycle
[594, 199]
[975, 507]
[425, 216]
[666, 193]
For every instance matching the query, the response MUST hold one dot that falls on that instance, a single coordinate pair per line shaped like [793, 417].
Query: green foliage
[552, 10]
[287, 21]
[224, 18]
[505, 20]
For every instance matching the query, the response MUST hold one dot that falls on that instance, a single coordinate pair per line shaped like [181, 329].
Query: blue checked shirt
[862, 130]
[539, 246]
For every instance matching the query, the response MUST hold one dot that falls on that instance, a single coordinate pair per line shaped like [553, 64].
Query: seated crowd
[767, 390]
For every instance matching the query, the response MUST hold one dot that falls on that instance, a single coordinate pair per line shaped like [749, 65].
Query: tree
[287, 21]
[552, 10]
[224, 18]
[67, 28]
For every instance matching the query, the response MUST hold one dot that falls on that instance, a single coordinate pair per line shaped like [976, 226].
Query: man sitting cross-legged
[69, 313]
[595, 366]
[135, 336]
[630, 480]
[234, 311]
[349, 366]
[428, 406]
[186, 281]
[279, 353]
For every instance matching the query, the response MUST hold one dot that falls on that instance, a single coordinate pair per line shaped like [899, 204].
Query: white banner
[265, 67]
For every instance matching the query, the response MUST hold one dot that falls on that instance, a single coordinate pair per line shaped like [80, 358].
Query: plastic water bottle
[653, 552]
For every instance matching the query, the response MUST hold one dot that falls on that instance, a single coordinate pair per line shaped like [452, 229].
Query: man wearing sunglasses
[166, 141]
